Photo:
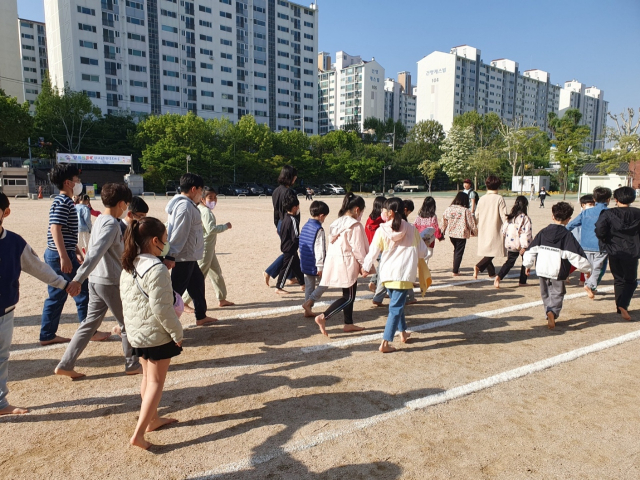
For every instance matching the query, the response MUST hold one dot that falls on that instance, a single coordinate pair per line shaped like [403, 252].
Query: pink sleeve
[359, 243]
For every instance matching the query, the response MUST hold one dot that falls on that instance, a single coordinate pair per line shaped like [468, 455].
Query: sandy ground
[263, 395]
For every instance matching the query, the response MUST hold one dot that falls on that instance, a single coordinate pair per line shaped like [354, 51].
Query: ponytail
[350, 202]
[138, 234]
[396, 206]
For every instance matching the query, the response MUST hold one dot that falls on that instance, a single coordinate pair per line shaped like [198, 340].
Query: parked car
[332, 189]
[268, 189]
[233, 190]
[253, 188]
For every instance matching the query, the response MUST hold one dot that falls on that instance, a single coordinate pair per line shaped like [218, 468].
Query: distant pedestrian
[473, 195]
[533, 192]
[309, 194]
[542, 195]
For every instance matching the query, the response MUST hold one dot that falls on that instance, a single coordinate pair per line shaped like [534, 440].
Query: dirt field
[482, 391]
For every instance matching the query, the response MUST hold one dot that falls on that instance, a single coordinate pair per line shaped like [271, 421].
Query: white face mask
[123, 215]
[210, 204]
[77, 188]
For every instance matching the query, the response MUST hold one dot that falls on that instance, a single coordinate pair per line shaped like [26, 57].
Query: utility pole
[188, 160]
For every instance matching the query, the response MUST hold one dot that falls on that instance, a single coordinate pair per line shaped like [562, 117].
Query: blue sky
[595, 42]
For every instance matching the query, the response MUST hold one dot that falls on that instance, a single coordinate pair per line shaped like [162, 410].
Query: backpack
[511, 233]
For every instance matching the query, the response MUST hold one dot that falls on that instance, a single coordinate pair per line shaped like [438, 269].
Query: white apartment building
[217, 58]
[33, 57]
[453, 83]
[10, 68]
[399, 105]
[590, 101]
[352, 91]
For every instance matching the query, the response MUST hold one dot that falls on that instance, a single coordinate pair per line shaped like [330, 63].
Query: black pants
[459, 245]
[186, 276]
[344, 303]
[290, 269]
[309, 197]
[625, 279]
[508, 265]
[487, 264]
[542, 202]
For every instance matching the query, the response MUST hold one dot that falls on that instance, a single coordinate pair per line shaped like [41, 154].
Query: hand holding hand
[364, 273]
[169, 263]
[73, 288]
[522, 250]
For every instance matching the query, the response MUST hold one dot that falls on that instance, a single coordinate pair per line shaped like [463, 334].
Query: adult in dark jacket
[287, 178]
[618, 230]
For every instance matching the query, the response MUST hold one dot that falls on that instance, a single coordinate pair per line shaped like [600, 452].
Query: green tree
[486, 128]
[112, 134]
[16, 125]
[424, 149]
[625, 137]
[64, 118]
[457, 150]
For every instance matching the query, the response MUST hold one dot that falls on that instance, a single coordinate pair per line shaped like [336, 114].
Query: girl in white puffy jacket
[401, 246]
[153, 327]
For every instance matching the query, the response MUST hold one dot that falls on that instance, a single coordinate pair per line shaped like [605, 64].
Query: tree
[16, 125]
[569, 138]
[486, 128]
[424, 149]
[457, 149]
[64, 118]
[626, 141]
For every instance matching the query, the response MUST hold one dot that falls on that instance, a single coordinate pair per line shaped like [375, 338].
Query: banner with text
[94, 159]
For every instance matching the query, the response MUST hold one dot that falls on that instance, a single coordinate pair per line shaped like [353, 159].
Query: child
[17, 256]
[459, 224]
[138, 209]
[348, 247]
[374, 220]
[289, 243]
[542, 195]
[103, 268]
[401, 246]
[427, 218]
[618, 230]
[586, 201]
[153, 326]
[62, 253]
[309, 194]
[586, 222]
[84, 223]
[408, 208]
[313, 250]
[518, 233]
[209, 265]
[554, 250]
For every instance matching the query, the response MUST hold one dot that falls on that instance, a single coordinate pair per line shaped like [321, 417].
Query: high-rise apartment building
[33, 56]
[324, 61]
[217, 58]
[590, 101]
[10, 68]
[398, 104]
[453, 83]
[349, 93]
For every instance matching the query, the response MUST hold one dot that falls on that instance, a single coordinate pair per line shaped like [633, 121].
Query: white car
[336, 189]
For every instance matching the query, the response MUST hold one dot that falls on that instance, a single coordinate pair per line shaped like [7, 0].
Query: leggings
[344, 303]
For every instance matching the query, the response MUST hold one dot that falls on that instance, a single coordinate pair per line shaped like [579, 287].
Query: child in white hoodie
[401, 246]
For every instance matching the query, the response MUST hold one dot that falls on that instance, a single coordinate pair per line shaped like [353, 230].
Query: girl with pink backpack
[518, 234]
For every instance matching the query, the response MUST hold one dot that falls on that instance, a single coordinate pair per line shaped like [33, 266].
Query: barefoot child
[153, 326]
[618, 230]
[102, 268]
[17, 256]
[289, 243]
[374, 220]
[347, 248]
[459, 224]
[209, 265]
[554, 250]
[517, 233]
[401, 246]
[313, 250]
[427, 218]
[84, 223]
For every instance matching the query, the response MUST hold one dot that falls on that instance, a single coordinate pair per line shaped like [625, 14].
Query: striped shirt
[63, 212]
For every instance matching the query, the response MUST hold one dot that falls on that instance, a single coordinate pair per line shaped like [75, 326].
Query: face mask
[123, 215]
[2, 218]
[210, 205]
[165, 250]
[384, 216]
[77, 188]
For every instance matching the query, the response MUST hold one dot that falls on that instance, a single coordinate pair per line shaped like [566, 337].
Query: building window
[228, 43]
[85, 10]
[172, 103]
[204, 9]
[224, 28]
[206, 79]
[208, 66]
[204, 23]
[227, 109]
[170, 44]
[91, 94]
[88, 61]
[260, 87]
[136, 21]
[167, 28]
[170, 73]
[137, 53]
[168, 13]
[81, 26]
[226, 83]
[226, 69]
[206, 107]
[225, 14]
[137, 83]
[206, 38]
[90, 78]
[137, 68]
[135, 5]
[136, 99]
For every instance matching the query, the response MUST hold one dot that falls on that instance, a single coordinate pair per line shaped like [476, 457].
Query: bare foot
[69, 373]
[523, 284]
[496, 282]
[137, 371]
[581, 284]
[624, 313]
[140, 442]
[455, 274]
[303, 288]
[11, 410]
[412, 302]
[372, 287]
[404, 336]
[206, 321]
[476, 271]
[57, 339]
[307, 306]
[279, 291]
[551, 320]
[387, 349]
[267, 277]
[116, 330]
[321, 323]
[377, 304]
[352, 328]
[100, 336]
[160, 422]
[188, 309]
[589, 292]
[292, 281]
[225, 303]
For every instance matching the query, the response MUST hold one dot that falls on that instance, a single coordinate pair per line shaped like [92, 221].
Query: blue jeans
[6, 332]
[55, 303]
[274, 269]
[395, 320]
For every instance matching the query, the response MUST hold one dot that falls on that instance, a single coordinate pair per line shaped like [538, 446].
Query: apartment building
[398, 104]
[10, 68]
[349, 93]
[33, 58]
[453, 83]
[590, 101]
[216, 58]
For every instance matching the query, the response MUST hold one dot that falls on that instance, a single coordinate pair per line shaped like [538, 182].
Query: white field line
[258, 314]
[421, 403]
[441, 323]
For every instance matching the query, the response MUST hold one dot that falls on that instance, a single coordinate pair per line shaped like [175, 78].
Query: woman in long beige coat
[491, 213]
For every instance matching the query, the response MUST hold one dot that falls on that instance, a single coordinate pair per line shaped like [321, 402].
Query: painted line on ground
[418, 404]
[441, 323]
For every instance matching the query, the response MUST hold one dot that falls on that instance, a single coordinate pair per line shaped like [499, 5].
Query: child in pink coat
[347, 248]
